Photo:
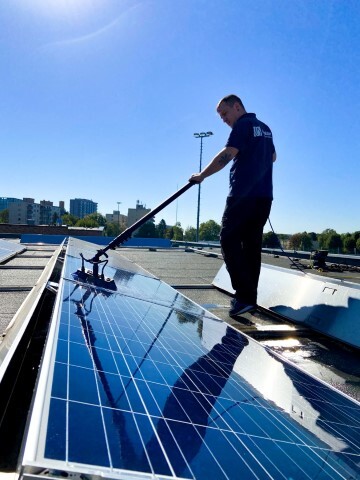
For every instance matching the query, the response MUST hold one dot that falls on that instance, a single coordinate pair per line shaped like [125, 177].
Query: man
[250, 146]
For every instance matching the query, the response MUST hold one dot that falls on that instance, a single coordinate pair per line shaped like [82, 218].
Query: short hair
[231, 100]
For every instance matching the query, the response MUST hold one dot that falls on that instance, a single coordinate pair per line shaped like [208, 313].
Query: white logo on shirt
[257, 131]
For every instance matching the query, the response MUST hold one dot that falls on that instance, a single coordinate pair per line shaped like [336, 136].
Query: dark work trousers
[241, 240]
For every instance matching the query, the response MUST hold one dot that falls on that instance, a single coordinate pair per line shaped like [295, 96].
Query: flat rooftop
[18, 276]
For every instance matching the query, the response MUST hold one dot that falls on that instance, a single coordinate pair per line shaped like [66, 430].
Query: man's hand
[196, 178]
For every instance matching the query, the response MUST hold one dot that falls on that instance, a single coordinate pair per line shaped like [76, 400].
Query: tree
[270, 240]
[4, 216]
[209, 230]
[335, 242]
[329, 239]
[161, 229]
[190, 234]
[358, 244]
[175, 232]
[68, 219]
[86, 223]
[349, 243]
[283, 238]
[93, 220]
[307, 241]
[324, 238]
[178, 233]
[301, 241]
[169, 232]
[113, 229]
[295, 241]
[147, 230]
[98, 218]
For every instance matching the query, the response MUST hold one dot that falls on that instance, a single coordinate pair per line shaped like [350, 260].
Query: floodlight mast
[126, 234]
[200, 135]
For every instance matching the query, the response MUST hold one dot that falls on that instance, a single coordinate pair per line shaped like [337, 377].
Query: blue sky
[100, 100]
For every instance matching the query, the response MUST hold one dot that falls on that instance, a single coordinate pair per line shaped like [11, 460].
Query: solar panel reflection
[151, 385]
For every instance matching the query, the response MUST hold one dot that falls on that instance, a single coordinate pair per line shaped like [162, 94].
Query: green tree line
[208, 231]
[329, 239]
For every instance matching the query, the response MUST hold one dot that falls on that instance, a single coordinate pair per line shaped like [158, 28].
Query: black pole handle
[126, 234]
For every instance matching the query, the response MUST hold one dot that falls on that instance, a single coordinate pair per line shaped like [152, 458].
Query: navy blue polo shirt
[251, 172]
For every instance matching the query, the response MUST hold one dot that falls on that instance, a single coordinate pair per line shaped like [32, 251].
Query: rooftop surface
[18, 276]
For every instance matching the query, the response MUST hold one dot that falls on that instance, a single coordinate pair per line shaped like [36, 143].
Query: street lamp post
[118, 204]
[200, 135]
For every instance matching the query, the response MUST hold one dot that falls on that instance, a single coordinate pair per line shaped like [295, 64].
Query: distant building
[24, 212]
[5, 202]
[62, 207]
[134, 214]
[81, 207]
[48, 213]
[27, 212]
[116, 217]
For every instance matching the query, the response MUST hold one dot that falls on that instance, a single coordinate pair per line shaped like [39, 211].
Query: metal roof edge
[22, 317]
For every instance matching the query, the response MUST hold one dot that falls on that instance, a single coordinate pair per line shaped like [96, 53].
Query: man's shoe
[238, 308]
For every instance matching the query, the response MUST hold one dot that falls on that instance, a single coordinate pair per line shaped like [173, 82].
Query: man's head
[230, 109]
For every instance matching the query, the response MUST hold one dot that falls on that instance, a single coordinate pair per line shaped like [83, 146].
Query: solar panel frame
[9, 249]
[207, 389]
[22, 318]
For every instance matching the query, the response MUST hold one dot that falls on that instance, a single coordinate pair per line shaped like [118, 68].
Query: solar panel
[140, 382]
[9, 249]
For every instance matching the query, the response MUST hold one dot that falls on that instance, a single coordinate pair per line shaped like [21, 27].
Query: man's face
[229, 114]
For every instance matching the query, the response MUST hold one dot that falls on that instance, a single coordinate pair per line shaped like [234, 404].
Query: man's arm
[217, 163]
[274, 156]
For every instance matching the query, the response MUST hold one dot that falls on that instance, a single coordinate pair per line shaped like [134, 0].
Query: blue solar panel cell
[56, 431]
[148, 386]
[9, 249]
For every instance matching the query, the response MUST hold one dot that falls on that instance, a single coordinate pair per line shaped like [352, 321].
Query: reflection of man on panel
[192, 399]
